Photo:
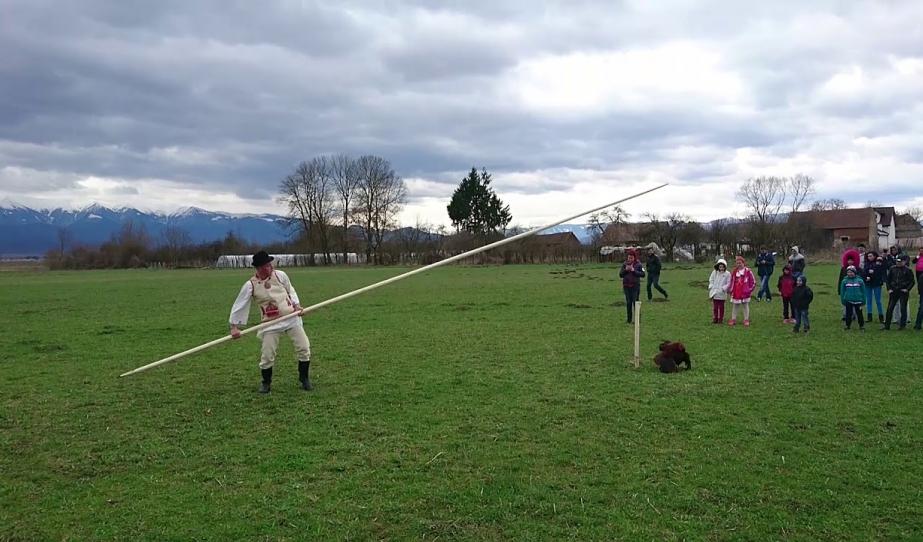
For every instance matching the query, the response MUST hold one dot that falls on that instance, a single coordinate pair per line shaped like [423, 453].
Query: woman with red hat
[631, 273]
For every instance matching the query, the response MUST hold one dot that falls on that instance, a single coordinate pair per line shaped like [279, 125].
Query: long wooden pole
[386, 281]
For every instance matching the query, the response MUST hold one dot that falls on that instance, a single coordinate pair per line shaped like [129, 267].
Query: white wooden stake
[637, 334]
[386, 281]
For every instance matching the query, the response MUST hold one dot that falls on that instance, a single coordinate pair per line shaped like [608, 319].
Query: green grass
[478, 403]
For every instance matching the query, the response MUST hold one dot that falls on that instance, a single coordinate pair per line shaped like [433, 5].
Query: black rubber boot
[267, 380]
[881, 318]
[303, 376]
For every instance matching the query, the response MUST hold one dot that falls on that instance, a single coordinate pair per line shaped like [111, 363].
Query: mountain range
[32, 232]
[28, 232]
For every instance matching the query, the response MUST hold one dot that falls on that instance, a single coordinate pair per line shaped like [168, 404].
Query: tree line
[340, 204]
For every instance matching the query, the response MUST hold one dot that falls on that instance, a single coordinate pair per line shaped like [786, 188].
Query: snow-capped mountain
[584, 235]
[31, 232]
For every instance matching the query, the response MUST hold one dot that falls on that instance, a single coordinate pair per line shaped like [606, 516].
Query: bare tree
[719, 231]
[800, 187]
[310, 197]
[831, 204]
[413, 239]
[131, 245]
[692, 234]
[176, 240]
[764, 198]
[663, 232]
[381, 194]
[598, 222]
[915, 212]
[345, 173]
[65, 238]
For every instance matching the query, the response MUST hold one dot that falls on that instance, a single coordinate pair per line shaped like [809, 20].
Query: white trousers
[271, 344]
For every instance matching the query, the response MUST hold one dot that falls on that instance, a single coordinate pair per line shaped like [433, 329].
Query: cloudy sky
[165, 104]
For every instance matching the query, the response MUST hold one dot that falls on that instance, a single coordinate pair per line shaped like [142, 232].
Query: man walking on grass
[273, 292]
[653, 275]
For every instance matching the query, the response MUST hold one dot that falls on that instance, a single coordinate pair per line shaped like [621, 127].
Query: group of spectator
[863, 276]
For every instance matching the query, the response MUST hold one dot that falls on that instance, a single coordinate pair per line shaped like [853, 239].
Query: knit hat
[801, 279]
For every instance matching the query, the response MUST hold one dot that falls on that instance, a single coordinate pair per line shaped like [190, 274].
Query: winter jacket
[786, 283]
[797, 261]
[890, 261]
[919, 272]
[852, 291]
[854, 254]
[802, 297]
[765, 264]
[900, 278]
[873, 273]
[653, 265]
[742, 284]
[631, 278]
[718, 282]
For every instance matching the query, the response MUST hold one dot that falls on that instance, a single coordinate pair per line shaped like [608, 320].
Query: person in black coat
[631, 273]
[900, 281]
[765, 265]
[653, 275]
[873, 273]
[801, 302]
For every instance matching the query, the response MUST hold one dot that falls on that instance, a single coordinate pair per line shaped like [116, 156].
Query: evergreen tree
[475, 207]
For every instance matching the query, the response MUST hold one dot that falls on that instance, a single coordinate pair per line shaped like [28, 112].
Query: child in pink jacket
[741, 288]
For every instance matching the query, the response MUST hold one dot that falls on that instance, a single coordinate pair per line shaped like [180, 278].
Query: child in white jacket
[718, 283]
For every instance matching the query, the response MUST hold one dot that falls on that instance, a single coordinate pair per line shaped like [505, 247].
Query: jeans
[854, 308]
[764, 287]
[873, 292]
[893, 300]
[801, 317]
[631, 295]
[919, 323]
[654, 280]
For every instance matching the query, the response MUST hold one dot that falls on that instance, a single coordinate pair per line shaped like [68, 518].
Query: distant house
[622, 234]
[909, 232]
[560, 242]
[872, 226]
[554, 247]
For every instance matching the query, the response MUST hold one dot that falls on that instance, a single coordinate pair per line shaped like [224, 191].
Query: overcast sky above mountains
[160, 105]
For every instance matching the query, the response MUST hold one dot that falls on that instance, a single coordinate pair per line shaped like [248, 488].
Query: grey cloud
[231, 95]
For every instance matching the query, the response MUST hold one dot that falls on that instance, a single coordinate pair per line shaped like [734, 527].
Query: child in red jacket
[786, 286]
[741, 288]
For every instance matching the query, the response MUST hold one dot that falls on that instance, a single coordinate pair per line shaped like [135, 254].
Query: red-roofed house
[874, 227]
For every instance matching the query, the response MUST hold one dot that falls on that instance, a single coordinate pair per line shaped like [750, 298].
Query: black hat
[261, 258]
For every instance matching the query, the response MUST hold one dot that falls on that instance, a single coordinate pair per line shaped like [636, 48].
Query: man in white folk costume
[272, 290]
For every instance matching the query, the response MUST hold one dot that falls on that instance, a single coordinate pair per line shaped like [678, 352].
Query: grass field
[478, 403]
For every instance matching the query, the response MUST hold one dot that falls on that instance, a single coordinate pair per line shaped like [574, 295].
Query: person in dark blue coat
[873, 272]
[653, 275]
[631, 272]
[765, 265]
